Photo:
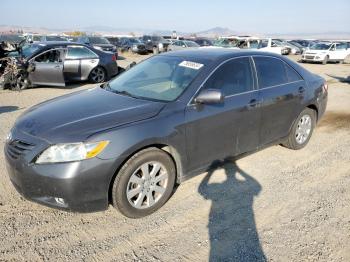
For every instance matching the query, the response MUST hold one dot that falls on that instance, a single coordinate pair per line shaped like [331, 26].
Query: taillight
[114, 58]
[325, 87]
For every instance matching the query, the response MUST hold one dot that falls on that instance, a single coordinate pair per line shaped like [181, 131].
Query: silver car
[56, 63]
[182, 44]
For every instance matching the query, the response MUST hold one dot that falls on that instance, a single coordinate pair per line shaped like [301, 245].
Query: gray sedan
[182, 44]
[56, 63]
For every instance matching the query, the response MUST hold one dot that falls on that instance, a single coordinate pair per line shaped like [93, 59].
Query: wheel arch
[314, 107]
[168, 149]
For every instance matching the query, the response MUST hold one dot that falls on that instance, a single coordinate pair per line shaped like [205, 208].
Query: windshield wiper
[123, 92]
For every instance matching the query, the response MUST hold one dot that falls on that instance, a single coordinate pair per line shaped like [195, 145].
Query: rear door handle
[301, 90]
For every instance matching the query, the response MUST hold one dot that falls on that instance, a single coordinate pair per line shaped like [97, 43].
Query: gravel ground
[275, 205]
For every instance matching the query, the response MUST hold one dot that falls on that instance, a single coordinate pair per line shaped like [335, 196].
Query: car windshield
[98, 40]
[320, 46]
[55, 38]
[191, 44]
[134, 41]
[161, 78]
[28, 50]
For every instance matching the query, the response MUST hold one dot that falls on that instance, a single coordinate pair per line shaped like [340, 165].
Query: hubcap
[98, 75]
[147, 185]
[303, 129]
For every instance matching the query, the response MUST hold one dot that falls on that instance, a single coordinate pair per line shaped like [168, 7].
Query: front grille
[309, 57]
[16, 148]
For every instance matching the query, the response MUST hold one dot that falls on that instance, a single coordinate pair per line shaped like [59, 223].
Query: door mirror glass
[209, 96]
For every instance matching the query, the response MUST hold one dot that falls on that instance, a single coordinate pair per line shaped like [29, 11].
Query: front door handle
[253, 103]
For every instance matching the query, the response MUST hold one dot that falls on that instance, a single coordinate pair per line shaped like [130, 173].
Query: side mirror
[210, 96]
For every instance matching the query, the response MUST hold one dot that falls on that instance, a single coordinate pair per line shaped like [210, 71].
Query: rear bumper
[112, 69]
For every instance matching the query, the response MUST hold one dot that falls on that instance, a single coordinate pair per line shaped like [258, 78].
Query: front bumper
[81, 186]
[312, 57]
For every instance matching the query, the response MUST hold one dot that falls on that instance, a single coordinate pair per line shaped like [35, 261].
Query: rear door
[216, 131]
[48, 68]
[281, 90]
[79, 62]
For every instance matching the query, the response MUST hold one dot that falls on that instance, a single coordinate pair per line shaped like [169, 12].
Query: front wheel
[98, 75]
[144, 183]
[325, 60]
[302, 129]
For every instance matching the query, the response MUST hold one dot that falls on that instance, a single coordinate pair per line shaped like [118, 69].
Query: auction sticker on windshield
[190, 64]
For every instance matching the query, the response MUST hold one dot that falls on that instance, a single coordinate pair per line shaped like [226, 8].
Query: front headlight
[71, 152]
[160, 45]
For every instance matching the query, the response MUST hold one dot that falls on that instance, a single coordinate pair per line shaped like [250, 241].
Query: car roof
[217, 53]
[50, 44]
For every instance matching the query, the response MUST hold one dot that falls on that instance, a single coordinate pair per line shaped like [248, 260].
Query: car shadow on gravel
[7, 109]
[232, 230]
[341, 79]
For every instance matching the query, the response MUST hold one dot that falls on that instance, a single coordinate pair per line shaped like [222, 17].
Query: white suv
[326, 51]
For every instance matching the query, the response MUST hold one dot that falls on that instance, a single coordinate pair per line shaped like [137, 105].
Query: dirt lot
[277, 204]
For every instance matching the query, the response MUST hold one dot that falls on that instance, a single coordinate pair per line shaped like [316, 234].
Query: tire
[132, 191]
[22, 83]
[300, 133]
[325, 60]
[98, 75]
[155, 50]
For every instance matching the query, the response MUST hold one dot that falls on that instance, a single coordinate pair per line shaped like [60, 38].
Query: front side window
[157, 78]
[342, 46]
[79, 52]
[52, 56]
[233, 77]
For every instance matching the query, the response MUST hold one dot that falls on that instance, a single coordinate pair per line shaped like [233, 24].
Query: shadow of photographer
[232, 230]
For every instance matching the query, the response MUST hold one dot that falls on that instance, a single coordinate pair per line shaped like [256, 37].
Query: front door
[217, 131]
[48, 68]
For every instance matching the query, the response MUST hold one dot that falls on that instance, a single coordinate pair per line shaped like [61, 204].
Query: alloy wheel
[98, 75]
[303, 129]
[147, 185]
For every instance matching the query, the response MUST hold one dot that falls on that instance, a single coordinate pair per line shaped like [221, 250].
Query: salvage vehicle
[325, 52]
[132, 45]
[155, 44]
[130, 140]
[99, 43]
[203, 41]
[182, 44]
[56, 63]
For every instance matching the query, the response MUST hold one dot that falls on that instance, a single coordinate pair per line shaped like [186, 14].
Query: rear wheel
[98, 75]
[144, 183]
[302, 129]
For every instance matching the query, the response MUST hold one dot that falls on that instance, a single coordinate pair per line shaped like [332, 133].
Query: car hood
[76, 116]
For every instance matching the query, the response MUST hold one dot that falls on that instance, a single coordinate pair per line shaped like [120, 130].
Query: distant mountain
[213, 32]
[217, 31]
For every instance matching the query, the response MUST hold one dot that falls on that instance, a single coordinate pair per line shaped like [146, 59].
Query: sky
[258, 16]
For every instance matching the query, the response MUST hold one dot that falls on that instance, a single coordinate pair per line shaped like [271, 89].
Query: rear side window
[233, 77]
[292, 75]
[273, 72]
[79, 52]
